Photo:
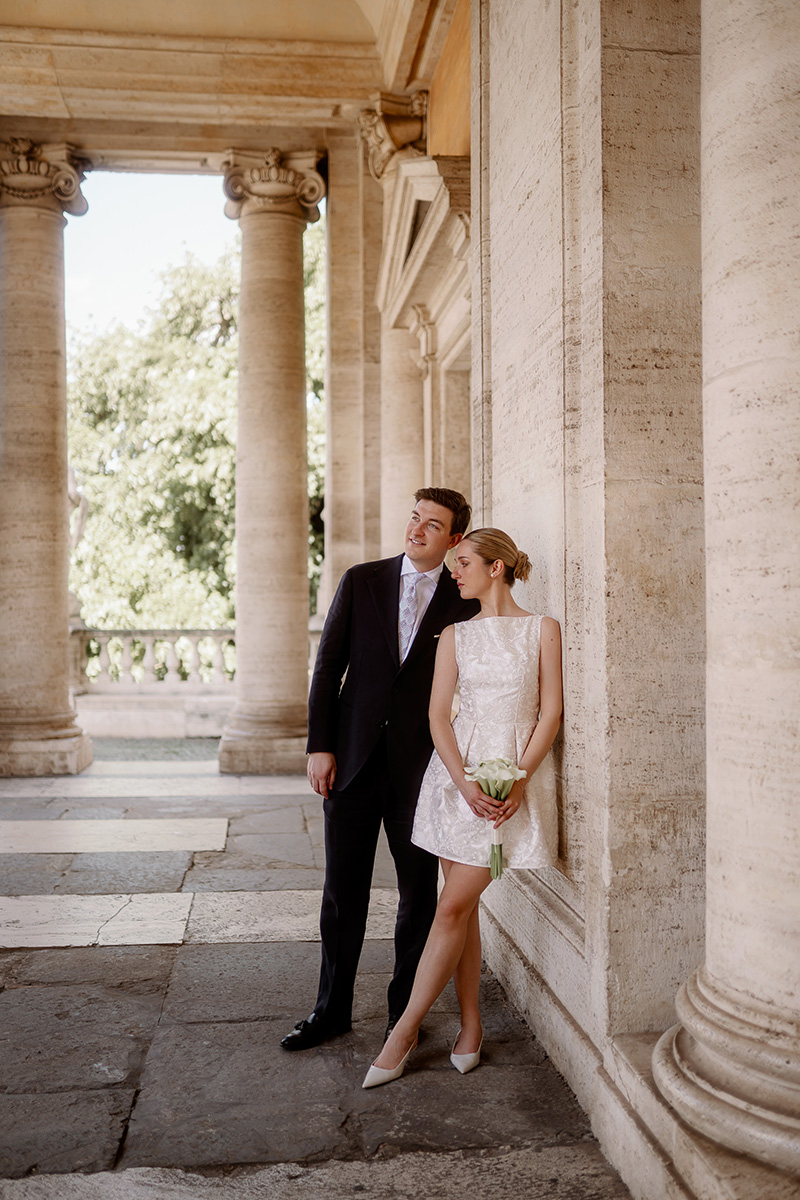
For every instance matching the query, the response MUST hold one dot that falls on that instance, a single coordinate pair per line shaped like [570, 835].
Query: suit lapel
[384, 587]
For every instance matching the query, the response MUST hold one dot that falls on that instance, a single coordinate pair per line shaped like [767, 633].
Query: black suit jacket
[359, 643]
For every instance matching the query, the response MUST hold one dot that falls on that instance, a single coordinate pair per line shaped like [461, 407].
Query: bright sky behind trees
[151, 301]
[137, 226]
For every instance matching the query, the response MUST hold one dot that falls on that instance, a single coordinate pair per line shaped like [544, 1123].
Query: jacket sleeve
[331, 663]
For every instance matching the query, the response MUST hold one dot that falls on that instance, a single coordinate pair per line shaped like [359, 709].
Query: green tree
[314, 283]
[152, 418]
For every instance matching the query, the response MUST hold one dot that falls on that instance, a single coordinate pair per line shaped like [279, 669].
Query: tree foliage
[152, 431]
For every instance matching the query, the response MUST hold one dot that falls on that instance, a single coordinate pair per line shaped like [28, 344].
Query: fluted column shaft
[732, 1068]
[266, 731]
[38, 735]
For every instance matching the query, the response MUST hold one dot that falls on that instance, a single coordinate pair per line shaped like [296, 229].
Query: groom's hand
[321, 772]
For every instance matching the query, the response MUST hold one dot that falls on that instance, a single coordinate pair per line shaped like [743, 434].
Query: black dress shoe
[312, 1032]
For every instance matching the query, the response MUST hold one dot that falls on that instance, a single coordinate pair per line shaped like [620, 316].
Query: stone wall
[588, 340]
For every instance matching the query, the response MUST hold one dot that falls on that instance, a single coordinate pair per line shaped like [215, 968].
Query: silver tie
[407, 614]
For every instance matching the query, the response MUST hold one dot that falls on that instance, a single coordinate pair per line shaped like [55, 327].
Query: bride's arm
[445, 677]
[551, 706]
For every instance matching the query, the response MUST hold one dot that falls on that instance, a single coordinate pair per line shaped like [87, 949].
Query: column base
[642, 1136]
[267, 755]
[45, 756]
[733, 1073]
[266, 745]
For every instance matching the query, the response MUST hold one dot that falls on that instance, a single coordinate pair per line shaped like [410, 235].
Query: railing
[103, 660]
[189, 659]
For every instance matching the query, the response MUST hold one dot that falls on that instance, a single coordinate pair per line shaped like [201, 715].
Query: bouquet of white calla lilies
[495, 777]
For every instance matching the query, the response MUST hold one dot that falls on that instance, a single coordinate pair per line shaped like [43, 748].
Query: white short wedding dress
[498, 675]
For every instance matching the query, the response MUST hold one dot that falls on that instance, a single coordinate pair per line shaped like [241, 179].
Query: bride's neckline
[502, 617]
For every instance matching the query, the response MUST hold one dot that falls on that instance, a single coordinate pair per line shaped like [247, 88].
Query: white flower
[495, 777]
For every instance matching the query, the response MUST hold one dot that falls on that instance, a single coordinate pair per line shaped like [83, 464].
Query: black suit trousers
[353, 819]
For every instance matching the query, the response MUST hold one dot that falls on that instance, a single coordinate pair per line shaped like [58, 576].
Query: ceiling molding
[167, 83]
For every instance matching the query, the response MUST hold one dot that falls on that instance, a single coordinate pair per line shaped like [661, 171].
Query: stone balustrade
[188, 659]
[104, 660]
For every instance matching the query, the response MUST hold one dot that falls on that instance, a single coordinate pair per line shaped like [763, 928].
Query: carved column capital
[272, 182]
[394, 123]
[42, 176]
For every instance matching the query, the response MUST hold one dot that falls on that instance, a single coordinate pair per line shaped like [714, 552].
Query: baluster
[205, 654]
[87, 659]
[218, 674]
[191, 659]
[104, 658]
[172, 660]
[126, 659]
[149, 658]
[114, 657]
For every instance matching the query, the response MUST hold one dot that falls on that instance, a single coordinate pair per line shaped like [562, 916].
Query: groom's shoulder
[367, 570]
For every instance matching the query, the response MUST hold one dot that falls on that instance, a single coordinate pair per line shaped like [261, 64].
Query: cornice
[410, 274]
[172, 82]
[410, 40]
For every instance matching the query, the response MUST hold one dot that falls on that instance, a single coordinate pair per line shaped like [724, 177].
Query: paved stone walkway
[139, 1053]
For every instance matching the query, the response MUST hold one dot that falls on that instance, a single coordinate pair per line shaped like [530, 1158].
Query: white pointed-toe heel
[375, 1076]
[465, 1062]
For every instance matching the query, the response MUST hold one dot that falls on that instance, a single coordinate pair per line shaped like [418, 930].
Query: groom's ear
[454, 540]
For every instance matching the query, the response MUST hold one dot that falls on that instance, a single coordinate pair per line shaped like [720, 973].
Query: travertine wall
[590, 332]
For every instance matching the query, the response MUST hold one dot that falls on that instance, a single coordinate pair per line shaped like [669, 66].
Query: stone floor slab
[250, 876]
[285, 819]
[281, 849]
[110, 836]
[541, 1173]
[88, 786]
[136, 969]
[220, 1093]
[243, 983]
[113, 920]
[275, 916]
[69, 1131]
[33, 875]
[157, 871]
[73, 1037]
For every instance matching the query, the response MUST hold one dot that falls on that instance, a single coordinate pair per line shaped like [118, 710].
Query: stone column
[38, 734]
[394, 128]
[273, 198]
[402, 433]
[731, 1069]
[344, 366]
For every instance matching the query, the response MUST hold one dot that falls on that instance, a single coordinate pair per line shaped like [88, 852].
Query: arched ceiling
[300, 20]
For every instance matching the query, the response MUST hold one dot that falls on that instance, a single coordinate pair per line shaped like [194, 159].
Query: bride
[507, 664]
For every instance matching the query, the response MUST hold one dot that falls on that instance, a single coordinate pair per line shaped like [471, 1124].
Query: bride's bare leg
[443, 950]
[467, 980]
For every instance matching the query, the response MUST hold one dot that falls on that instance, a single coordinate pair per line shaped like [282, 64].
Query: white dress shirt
[425, 589]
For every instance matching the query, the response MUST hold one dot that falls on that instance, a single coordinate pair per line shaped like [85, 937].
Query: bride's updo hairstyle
[491, 544]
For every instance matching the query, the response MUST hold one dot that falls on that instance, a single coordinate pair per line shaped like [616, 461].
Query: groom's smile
[428, 537]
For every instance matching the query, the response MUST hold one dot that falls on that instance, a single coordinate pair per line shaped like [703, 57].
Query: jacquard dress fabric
[498, 676]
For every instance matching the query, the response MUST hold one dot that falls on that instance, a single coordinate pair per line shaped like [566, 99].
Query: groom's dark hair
[448, 499]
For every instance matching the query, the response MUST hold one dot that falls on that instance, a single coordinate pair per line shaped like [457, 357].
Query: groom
[369, 744]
